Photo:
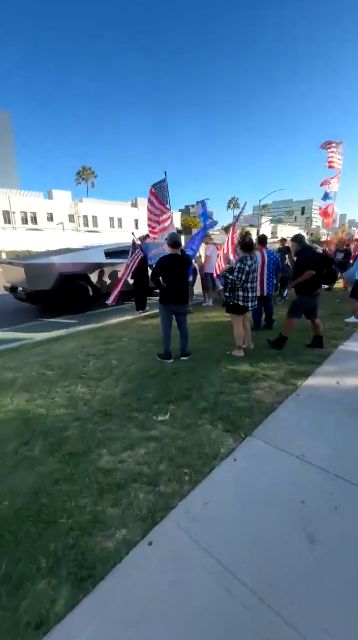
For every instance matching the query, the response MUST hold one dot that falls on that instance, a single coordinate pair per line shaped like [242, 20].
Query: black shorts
[354, 291]
[236, 309]
[304, 305]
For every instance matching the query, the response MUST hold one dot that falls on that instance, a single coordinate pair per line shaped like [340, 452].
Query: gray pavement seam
[242, 582]
[311, 464]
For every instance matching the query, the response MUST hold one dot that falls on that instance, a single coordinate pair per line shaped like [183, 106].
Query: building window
[111, 223]
[94, 222]
[85, 221]
[33, 217]
[6, 217]
[136, 224]
[49, 217]
[295, 218]
[71, 218]
[303, 211]
[24, 217]
[119, 223]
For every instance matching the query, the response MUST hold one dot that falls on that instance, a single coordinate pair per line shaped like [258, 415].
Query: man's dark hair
[299, 239]
[174, 240]
[262, 240]
[247, 245]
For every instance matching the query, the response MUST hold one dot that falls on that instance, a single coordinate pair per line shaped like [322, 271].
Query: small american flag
[160, 219]
[228, 249]
[334, 150]
[332, 183]
[135, 255]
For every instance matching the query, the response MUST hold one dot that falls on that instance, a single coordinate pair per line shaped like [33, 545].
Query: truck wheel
[74, 296]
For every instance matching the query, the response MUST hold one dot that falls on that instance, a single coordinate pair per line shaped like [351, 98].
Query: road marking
[57, 320]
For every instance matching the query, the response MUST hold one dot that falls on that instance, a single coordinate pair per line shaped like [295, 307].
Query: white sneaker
[351, 320]
[208, 303]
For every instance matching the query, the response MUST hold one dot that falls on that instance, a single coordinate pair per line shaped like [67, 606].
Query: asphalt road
[13, 312]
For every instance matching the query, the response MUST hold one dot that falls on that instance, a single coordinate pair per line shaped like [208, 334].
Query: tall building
[302, 213]
[9, 178]
[342, 219]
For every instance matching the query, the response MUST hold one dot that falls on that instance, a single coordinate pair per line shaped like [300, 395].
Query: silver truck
[71, 279]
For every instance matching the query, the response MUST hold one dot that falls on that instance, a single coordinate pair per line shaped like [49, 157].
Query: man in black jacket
[171, 276]
[307, 282]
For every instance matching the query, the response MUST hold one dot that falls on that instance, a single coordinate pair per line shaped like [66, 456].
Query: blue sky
[230, 97]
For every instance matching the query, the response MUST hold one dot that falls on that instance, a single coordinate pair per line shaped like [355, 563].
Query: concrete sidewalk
[265, 548]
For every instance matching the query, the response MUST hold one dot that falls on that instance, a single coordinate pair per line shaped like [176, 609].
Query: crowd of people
[247, 287]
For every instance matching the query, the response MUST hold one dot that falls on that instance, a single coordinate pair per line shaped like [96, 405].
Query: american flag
[332, 183]
[334, 153]
[160, 219]
[135, 255]
[228, 249]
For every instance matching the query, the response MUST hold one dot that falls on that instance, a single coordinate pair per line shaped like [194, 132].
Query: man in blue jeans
[171, 276]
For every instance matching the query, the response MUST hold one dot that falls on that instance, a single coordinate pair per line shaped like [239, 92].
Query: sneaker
[208, 303]
[164, 357]
[351, 320]
[185, 356]
[238, 353]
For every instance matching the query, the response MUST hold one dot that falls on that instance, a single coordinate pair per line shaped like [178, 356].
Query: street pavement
[13, 312]
[265, 548]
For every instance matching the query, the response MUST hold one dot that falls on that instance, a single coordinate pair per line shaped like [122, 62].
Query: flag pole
[166, 177]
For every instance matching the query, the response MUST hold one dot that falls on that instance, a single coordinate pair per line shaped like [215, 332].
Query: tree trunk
[87, 189]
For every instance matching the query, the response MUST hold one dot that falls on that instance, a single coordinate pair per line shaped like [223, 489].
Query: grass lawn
[87, 469]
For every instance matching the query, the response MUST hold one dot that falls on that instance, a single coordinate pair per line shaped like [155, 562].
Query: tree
[233, 204]
[86, 175]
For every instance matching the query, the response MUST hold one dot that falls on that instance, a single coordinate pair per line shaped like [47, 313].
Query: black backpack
[328, 271]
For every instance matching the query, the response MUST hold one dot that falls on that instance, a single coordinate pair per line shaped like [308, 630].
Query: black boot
[316, 343]
[278, 343]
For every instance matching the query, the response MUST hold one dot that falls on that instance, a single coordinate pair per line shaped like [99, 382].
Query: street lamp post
[259, 209]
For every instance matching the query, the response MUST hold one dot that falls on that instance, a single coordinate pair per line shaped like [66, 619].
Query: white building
[302, 213]
[58, 211]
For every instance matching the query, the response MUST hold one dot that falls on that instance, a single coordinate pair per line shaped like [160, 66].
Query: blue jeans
[264, 304]
[180, 312]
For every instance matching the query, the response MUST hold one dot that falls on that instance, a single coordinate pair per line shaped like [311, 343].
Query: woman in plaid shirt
[240, 287]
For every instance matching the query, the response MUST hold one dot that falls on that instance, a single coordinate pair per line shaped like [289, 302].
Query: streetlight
[259, 209]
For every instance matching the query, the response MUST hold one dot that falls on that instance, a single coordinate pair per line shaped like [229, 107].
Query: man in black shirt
[171, 276]
[307, 282]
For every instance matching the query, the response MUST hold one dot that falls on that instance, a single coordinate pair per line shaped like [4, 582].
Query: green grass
[87, 469]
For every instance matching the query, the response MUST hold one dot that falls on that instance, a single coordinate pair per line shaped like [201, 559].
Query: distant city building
[342, 219]
[352, 222]
[32, 210]
[189, 210]
[8, 168]
[302, 213]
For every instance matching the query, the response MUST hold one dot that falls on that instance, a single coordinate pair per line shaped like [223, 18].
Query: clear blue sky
[230, 97]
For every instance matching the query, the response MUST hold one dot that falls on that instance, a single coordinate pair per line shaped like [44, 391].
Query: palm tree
[86, 175]
[233, 204]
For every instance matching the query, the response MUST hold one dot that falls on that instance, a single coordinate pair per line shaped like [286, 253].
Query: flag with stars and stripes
[229, 248]
[135, 255]
[334, 150]
[160, 218]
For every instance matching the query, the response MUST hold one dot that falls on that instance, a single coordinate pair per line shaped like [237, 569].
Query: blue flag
[194, 243]
[327, 196]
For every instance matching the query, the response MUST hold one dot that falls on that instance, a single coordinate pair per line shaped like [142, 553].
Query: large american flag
[228, 249]
[160, 219]
[334, 150]
[135, 255]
